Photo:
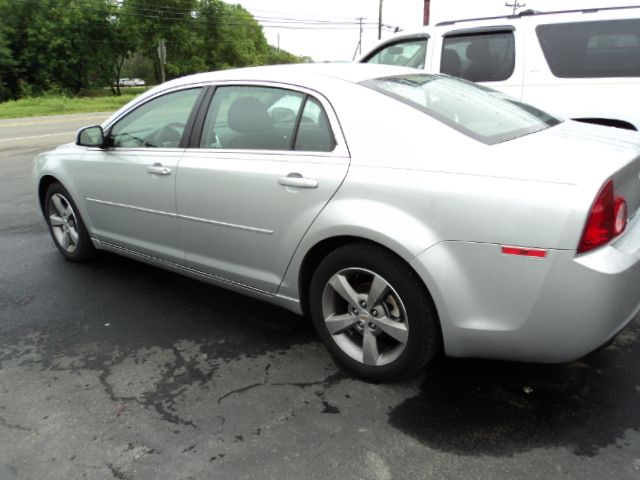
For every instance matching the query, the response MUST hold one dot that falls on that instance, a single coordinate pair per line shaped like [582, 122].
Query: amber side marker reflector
[524, 252]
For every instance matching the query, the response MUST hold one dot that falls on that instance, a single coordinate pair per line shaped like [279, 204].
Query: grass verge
[60, 104]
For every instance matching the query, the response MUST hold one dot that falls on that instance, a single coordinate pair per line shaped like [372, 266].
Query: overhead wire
[163, 12]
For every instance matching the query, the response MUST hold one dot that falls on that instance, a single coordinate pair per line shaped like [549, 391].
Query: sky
[329, 29]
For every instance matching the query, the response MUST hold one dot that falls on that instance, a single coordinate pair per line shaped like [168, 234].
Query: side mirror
[90, 136]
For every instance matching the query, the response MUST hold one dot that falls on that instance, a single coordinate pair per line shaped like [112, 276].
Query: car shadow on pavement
[179, 348]
[478, 407]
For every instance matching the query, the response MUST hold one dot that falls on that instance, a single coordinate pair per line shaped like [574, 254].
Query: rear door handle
[298, 181]
[158, 169]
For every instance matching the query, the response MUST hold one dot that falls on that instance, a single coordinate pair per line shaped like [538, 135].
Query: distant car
[137, 82]
[125, 82]
[582, 64]
[405, 212]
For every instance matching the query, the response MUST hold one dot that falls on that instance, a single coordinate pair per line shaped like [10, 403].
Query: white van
[580, 64]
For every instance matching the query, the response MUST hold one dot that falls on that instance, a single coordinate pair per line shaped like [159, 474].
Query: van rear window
[609, 48]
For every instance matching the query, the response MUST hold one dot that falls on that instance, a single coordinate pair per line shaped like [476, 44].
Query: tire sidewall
[84, 249]
[424, 332]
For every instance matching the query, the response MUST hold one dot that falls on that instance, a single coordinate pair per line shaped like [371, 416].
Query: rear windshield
[476, 111]
[592, 49]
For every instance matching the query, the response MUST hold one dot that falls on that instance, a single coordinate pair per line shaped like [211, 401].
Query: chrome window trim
[341, 149]
[145, 99]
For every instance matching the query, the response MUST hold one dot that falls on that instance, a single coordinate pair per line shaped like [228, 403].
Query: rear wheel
[66, 226]
[373, 312]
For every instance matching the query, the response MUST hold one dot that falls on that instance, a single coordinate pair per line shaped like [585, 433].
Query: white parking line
[35, 136]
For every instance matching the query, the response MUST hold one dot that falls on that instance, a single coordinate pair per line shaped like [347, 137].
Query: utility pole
[427, 11]
[515, 5]
[380, 21]
[162, 57]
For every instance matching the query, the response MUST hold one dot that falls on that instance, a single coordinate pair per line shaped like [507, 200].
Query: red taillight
[607, 219]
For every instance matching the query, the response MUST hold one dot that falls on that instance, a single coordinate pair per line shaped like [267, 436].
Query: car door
[268, 161]
[129, 188]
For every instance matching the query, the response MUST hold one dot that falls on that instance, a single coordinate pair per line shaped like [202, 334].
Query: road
[114, 369]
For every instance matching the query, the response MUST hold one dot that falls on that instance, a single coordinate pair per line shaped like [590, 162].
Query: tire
[391, 339]
[66, 226]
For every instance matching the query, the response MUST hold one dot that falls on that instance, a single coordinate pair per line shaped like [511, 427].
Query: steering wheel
[166, 137]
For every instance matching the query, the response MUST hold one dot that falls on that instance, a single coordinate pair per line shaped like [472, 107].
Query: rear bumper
[554, 309]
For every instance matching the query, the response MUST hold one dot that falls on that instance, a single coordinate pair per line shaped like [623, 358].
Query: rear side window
[592, 49]
[408, 53]
[251, 118]
[486, 57]
[244, 117]
[314, 133]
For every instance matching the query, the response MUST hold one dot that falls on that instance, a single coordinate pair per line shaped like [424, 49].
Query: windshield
[476, 111]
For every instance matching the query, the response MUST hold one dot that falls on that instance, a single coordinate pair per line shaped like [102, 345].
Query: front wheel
[373, 312]
[66, 226]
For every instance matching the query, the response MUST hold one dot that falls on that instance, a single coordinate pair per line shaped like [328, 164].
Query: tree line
[73, 45]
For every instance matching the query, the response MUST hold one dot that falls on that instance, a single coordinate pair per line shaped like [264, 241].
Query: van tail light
[607, 219]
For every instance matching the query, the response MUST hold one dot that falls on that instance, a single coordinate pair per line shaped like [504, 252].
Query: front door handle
[298, 181]
[158, 169]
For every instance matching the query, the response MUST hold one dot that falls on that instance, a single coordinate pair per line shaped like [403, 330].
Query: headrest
[249, 115]
[450, 60]
[478, 51]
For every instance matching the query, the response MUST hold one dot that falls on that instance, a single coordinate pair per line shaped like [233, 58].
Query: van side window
[408, 53]
[596, 49]
[486, 57]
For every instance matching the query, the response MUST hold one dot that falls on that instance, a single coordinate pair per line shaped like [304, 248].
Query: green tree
[69, 45]
[7, 65]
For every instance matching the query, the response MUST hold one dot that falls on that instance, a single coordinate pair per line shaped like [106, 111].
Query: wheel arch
[43, 185]
[321, 249]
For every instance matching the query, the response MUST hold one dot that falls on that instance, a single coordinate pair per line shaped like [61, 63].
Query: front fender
[59, 164]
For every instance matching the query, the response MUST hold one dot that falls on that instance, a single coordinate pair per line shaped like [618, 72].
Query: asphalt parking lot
[114, 369]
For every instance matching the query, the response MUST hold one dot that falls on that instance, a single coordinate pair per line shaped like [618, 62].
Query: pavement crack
[117, 473]
[327, 382]
[248, 387]
[239, 390]
[4, 423]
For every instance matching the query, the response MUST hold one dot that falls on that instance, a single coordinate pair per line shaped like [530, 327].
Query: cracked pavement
[115, 369]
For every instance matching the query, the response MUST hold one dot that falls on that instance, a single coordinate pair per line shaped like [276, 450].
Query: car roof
[306, 74]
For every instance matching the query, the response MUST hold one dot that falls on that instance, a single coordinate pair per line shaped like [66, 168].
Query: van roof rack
[528, 13]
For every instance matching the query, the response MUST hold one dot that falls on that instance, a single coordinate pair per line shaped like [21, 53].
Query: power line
[167, 13]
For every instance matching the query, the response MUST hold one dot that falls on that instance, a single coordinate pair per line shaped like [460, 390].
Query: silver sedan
[407, 214]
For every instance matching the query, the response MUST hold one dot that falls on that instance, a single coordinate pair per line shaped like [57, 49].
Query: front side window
[159, 123]
[478, 112]
[596, 49]
[486, 57]
[409, 53]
